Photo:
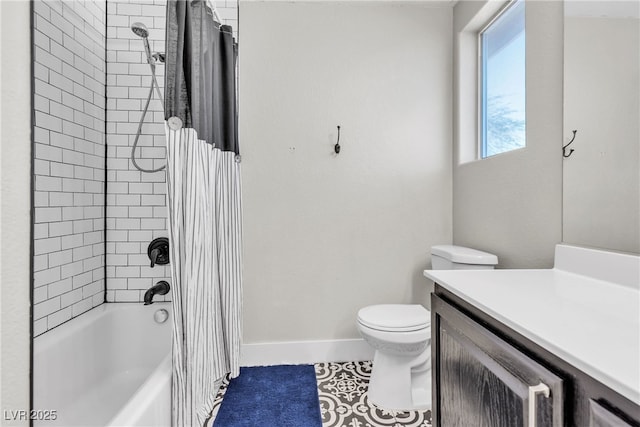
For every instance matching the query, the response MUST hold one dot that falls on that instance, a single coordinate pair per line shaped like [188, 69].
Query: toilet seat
[395, 317]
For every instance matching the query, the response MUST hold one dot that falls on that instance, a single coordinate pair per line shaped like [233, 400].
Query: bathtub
[110, 366]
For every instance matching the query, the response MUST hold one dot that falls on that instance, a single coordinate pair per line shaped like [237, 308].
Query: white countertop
[592, 324]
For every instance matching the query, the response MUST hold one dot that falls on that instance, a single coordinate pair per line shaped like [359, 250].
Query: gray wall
[511, 204]
[326, 235]
[602, 89]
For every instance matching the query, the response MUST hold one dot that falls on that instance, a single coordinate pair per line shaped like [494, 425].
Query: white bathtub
[108, 367]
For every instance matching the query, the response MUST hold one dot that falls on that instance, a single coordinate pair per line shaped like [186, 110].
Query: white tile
[141, 212]
[141, 283]
[127, 295]
[45, 246]
[153, 199]
[127, 272]
[40, 262]
[128, 248]
[59, 287]
[44, 277]
[61, 170]
[60, 228]
[82, 199]
[98, 299]
[48, 121]
[40, 135]
[82, 226]
[60, 258]
[128, 199]
[71, 185]
[59, 317]
[47, 215]
[72, 241]
[140, 235]
[61, 140]
[70, 298]
[129, 9]
[152, 223]
[82, 306]
[98, 275]
[82, 253]
[39, 294]
[39, 326]
[82, 279]
[46, 307]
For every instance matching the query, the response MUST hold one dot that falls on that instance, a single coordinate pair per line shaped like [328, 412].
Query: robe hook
[336, 147]
[564, 148]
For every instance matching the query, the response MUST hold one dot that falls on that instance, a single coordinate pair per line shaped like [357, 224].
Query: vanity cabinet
[485, 374]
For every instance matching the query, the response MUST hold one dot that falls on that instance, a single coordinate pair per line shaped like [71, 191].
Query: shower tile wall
[136, 201]
[69, 159]
[136, 207]
[89, 67]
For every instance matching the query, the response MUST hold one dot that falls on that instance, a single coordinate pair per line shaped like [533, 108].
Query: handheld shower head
[140, 30]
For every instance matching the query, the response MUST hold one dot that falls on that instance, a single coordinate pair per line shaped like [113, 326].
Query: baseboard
[305, 352]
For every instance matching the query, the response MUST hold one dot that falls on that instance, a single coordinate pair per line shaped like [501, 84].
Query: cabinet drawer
[599, 416]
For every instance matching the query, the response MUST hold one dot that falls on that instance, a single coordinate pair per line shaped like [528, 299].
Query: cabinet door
[481, 380]
[602, 417]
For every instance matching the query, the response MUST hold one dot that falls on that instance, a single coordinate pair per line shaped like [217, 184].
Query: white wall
[602, 89]
[511, 204]
[15, 170]
[326, 235]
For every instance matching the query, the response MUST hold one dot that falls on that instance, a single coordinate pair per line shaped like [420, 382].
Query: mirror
[601, 177]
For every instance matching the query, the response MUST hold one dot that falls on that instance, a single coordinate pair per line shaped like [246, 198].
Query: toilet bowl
[401, 336]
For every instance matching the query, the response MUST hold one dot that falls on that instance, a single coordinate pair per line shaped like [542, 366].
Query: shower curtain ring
[175, 123]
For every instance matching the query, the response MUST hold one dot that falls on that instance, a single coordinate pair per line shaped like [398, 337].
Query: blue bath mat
[271, 396]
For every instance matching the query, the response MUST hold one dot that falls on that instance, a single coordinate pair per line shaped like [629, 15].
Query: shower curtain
[205, 211]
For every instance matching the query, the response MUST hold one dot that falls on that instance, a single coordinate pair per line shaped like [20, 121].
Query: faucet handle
[158, 251]
[154, 256]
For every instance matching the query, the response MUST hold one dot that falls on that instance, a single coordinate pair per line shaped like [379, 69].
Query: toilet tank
[451, 257]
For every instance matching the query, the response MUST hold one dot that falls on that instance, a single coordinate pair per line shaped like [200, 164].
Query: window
[502, 82]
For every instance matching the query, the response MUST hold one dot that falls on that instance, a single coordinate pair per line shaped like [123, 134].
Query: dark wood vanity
[487, 374]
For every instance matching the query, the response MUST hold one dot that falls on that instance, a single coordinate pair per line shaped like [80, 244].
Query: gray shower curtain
[205, 211]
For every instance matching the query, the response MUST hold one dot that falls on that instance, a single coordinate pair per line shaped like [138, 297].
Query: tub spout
[160, 288]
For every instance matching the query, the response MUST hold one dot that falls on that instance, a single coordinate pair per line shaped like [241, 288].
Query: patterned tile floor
[342, 391]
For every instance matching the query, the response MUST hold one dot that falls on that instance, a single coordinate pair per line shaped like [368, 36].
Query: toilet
[401, 336]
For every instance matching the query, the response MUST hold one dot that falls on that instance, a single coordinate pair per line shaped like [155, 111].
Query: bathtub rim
[47, 339]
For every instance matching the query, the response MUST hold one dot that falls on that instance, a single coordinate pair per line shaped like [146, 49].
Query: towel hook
[564, 148]
[336, 147]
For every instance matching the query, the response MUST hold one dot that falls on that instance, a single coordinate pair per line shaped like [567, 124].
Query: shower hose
[154, 86]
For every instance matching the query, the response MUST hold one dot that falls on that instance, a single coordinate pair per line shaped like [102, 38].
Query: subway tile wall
[136, 208]
[136, 201]
[69, 159]
[91, 74]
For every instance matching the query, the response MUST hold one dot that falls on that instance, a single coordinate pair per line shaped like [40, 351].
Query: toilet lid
[394, 317]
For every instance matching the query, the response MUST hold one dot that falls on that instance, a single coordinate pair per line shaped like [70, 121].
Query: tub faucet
[160, 288]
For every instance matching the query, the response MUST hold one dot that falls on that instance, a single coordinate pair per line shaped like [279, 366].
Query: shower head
[140, 30]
